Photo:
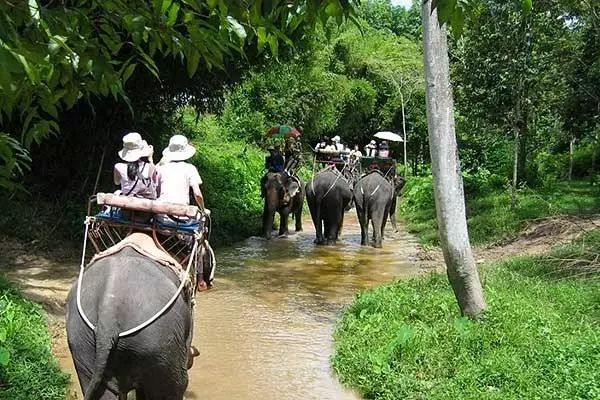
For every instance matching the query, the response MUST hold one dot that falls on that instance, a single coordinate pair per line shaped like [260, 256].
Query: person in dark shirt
[274, 162]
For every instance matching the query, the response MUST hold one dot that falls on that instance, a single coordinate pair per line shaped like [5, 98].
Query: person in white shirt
[177, 177]
[371, 149]
[337, 146]
[137, 176]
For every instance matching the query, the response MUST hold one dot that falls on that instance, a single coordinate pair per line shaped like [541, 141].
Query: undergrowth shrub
[28, 369]
[231, 172]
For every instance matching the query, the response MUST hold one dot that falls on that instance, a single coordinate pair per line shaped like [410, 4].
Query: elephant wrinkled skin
[328, 195]
[373, 196]
[283, 195]
[120, 292]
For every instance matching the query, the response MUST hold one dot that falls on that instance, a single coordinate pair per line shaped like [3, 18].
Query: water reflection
[265, 330]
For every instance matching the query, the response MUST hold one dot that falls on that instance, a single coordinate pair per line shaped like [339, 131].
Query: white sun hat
[179, 149]
[133, 147]
[336, 138]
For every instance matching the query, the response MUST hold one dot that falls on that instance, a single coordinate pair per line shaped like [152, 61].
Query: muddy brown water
[265, 330]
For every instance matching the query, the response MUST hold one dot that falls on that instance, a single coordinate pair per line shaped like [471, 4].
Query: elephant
[373, 196]
[285, 195]
[398, 183]
[121, 291]
[328, 195]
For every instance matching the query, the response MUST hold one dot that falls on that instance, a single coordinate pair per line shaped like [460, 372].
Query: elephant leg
[283, 222]
[316, 217]
[364, 225]
[341, 225]
[377, 218]
[169, 388]
[383, 223]
[298, 217]
[268, 216]
[392, 213]
[332, 228]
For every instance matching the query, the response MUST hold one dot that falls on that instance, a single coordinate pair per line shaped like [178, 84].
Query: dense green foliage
[55, 55]
[28, 370]
[490, 218]
[539, 338]
[230, 172]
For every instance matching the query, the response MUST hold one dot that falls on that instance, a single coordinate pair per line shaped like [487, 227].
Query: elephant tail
[106, 340]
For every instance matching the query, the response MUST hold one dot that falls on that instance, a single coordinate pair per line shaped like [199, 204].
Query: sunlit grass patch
[490, 217]
[28, 370]
[539, 338]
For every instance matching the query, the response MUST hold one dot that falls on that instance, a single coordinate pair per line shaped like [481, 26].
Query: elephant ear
[293, 188]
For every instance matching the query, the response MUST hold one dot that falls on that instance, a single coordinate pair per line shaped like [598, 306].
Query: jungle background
[526, 87]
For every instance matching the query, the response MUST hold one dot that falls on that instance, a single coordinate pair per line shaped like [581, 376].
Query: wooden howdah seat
[174, 227]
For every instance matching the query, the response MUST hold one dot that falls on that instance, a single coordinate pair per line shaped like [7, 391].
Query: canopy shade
[283, 131]
[391, 136]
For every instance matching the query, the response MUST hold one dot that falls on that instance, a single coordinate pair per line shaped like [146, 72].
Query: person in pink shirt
[137, 176]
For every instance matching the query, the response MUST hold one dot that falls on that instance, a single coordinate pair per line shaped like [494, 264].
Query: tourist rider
[371, 149]
[292, 155]
[275, 161]
[384, 149]
[176, 176]
[137, 176]
[337, 146]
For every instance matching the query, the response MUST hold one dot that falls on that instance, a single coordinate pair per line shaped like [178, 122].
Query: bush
[538, 339]
[483, 181]
[28, 369]
[231, 172]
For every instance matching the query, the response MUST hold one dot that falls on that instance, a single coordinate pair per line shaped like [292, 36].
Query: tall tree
[448, 185]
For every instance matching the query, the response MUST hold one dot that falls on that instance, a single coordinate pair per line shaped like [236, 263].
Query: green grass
[540, 338]
[490, 217]
[28, 370]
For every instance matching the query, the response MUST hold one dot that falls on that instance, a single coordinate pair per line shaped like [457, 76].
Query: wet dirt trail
[265, 330]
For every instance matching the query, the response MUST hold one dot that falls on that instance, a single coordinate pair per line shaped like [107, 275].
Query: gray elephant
[284, 195]
[328, 195]
[373, 196]
[398, 183]
[119, 292]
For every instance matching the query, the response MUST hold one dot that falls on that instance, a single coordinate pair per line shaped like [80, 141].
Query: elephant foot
[319, 242]
[331, 242]
[363, 242]
[284, 234]
[299, 229]
[378, 245]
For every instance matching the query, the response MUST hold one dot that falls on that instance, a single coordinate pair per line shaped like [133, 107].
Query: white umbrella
[391, 136]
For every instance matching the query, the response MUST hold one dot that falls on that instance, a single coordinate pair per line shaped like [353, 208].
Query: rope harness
[158, 313]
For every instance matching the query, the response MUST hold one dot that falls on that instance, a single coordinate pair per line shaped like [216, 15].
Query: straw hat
[134, 148]
[179, 149]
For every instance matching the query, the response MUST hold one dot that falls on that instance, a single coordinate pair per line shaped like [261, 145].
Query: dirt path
[538, 237]
[47, 277]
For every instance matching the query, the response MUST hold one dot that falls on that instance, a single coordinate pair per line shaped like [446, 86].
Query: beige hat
[179, 149]
[134, 148]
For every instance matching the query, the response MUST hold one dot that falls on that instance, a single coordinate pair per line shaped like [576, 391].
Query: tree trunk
[447, 179]
[404, 132]
[515, 180]
[571, 151]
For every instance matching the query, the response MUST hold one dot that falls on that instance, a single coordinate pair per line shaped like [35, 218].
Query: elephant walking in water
[373, 196]
[328, 195]
[283, 195]
[118, 292]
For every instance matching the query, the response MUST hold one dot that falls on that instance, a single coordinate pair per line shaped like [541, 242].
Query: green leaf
[172, 18]
[261, 34]
[4, 357]
[128, 72]
[165, 5]
[527, 5]
[2, 335]
[193, 59]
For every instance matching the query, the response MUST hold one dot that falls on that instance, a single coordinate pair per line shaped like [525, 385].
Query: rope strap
[149, 320]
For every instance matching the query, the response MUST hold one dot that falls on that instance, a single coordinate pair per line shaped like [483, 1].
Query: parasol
[283, 131]
[391, 136]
